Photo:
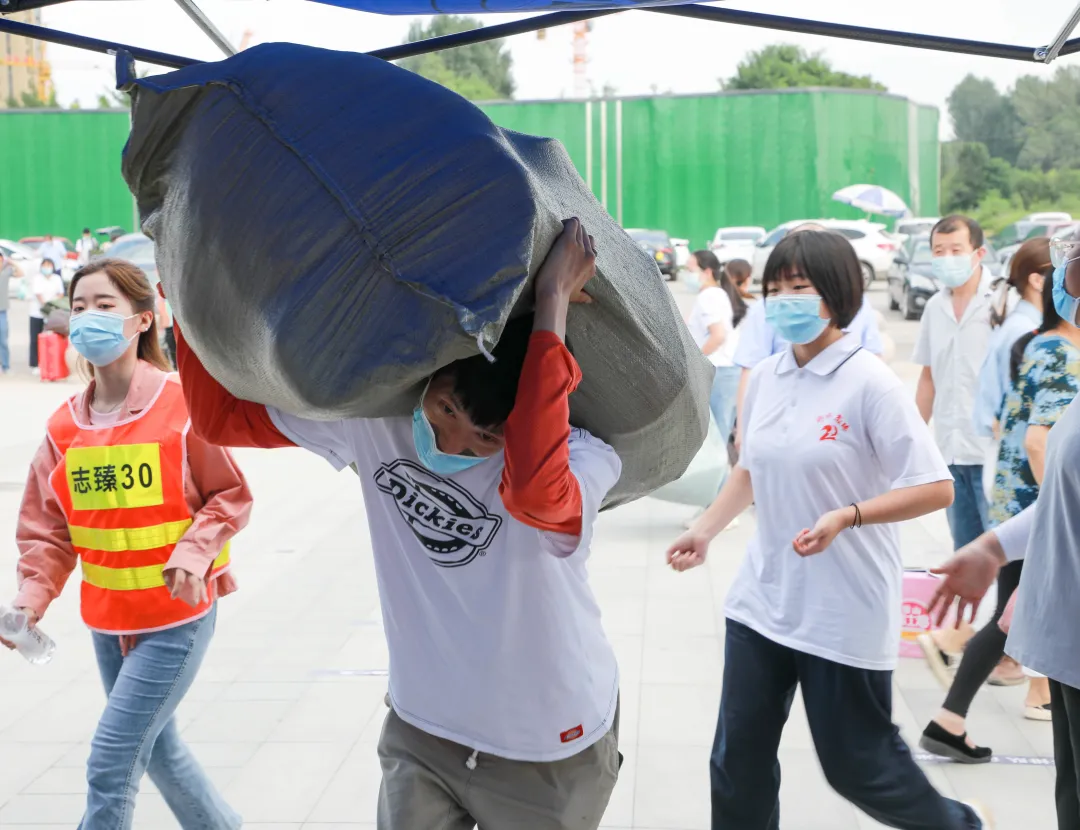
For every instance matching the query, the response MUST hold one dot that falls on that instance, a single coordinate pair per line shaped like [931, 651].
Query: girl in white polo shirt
[834, 454]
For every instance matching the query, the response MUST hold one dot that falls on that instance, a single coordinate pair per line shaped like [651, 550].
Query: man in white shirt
[953, 338]
[84, 248]
[52, 248]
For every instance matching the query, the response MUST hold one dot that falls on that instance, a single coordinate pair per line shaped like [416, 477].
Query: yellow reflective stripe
[118, 540]
[135, 579]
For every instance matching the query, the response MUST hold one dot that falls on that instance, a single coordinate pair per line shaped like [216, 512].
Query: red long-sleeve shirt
[538, 487]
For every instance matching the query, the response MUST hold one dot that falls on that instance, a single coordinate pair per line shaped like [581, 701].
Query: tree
[113, 99]
[477, 72]
[1050, 112]
[969, 174]
[782, 65]
[982, 114]
[29, 100]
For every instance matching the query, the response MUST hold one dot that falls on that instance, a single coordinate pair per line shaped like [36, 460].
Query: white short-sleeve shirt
[838, 431]
[713, 306]
[955, 350]
[494, 634]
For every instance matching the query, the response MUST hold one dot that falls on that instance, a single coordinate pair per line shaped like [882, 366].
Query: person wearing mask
[1045, 369]
[1040, 617]
[52, 248]
[7, 273]
[740, 273]
[759, 340]
[713, 321]
[1028, 273]
[504, 691]
[954, 334]
[85, 247]
[45, 287]
[834, 456]
[120, 484]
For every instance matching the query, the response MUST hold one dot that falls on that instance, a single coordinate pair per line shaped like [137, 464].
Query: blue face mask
[1065, 304]
[692, 280]
[796, 317]
[99, 336]
[429, 453]
[952, 271]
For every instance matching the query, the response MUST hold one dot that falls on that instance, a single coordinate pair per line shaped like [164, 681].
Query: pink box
[919, 587]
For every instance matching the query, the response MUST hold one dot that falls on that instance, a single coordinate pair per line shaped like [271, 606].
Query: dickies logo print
[832, 425]
[451, 525]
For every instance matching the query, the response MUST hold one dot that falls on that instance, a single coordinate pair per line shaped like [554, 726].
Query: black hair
[1050, 321]
[487, 390]
[53, 264]
[828, 261]
[956, 221]
[86, 230]
[707, 261]
[738, 270]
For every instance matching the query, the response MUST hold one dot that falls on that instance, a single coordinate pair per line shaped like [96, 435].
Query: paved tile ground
[287, 709]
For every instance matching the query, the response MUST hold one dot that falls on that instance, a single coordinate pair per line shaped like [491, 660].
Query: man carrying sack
[504, 690]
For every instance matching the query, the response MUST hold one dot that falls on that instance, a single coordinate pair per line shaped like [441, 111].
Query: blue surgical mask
[47, 270]
[1065, 304]
[99, 336]
[692, 280]
[796, 317]
[429, 453]
[952, 271]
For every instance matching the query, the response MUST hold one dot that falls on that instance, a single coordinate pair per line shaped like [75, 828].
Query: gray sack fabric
[332, 229]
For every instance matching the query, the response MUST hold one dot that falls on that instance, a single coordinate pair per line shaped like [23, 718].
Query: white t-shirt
[50, 287]
[840, 430]
[494, 634]
[714, 306]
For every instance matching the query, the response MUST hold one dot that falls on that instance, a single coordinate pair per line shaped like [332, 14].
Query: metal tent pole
[1049, 53]
[207, 25]
[93, 44]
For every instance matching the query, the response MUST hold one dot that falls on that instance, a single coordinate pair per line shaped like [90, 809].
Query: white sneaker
[982, 814]
[36, 372]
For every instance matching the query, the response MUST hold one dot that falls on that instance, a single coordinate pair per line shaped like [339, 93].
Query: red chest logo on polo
[572, 734]
[832, 426]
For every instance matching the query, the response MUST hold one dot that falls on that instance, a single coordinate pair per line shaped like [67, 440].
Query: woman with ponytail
[1045, 377]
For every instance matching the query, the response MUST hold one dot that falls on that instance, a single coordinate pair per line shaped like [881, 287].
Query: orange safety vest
[121, 488]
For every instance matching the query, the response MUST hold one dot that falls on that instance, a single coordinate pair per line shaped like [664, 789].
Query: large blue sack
[332, 229]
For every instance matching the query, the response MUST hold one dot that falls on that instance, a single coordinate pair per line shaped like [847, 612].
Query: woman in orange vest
[122, 484]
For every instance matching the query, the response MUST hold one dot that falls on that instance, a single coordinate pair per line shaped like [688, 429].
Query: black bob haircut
[486, 389]
[956, 221]
[828, 261]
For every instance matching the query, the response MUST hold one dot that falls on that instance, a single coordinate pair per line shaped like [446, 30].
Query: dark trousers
[985, 649]
[1065, 707]
[37, 326]
[170, 345]
[850, 715]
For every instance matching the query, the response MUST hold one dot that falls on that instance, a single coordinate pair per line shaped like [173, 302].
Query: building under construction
[25, 77]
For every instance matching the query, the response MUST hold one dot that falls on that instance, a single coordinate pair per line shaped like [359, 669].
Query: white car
[682, 252]
[914, 226]
[1050, 217]
[873, 247]
[26, 260]
[736, 243]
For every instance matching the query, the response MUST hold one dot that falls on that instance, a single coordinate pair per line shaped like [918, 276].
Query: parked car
[1049, 217]
[1032, 230]
[138, 249]
[914, 226]
[911, 279]
[736, 243]
[658, 245]
[109, 235]
[70, 264]
[874, 249]
[682, 252]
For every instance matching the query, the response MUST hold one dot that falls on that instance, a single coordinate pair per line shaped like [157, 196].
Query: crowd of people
[514, 720]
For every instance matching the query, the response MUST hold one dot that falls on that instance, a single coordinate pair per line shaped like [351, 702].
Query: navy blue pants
[850, 714]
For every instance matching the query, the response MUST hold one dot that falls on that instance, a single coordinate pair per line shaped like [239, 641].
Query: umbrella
[872, 199]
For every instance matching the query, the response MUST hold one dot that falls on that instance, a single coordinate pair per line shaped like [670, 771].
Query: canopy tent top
[567, 11]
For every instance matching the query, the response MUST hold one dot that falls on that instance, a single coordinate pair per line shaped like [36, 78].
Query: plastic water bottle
[31, 642]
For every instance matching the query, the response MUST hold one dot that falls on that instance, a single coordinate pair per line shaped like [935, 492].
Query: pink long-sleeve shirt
[214, 488]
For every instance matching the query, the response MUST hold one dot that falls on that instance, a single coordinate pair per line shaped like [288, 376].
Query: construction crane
[582, 87]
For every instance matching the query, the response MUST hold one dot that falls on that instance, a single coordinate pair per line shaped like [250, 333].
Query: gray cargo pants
[429, 784]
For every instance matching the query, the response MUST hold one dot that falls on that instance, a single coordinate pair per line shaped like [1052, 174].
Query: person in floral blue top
[1045, 374]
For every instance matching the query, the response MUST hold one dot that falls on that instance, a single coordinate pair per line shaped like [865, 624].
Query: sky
[636, 52]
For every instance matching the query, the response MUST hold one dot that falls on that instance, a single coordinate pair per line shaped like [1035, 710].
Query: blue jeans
[137, 733]
[968, 514]
[5, 353]
[850, 715]
[723, 399]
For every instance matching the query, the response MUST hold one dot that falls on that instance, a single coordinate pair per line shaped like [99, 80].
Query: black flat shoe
[939, 741]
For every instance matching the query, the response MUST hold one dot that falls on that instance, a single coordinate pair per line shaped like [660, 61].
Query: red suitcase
[52, 356]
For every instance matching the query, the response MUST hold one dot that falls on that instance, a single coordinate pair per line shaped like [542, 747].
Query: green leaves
[481, 72]
[782, 66]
